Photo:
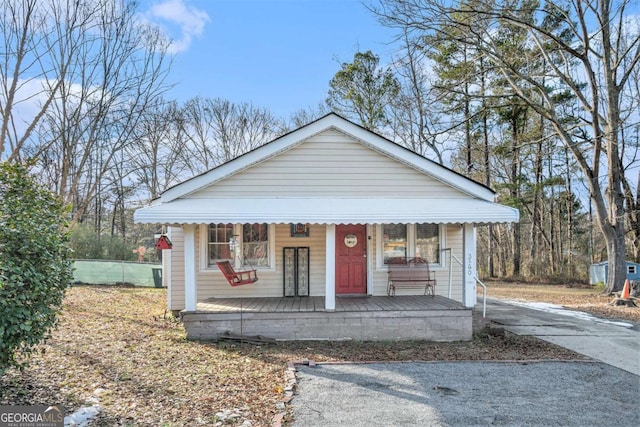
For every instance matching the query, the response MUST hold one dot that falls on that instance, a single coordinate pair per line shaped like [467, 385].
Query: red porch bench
[410, 273]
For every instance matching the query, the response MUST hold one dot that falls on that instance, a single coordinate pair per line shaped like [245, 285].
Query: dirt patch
[573, 297]
[118, 344]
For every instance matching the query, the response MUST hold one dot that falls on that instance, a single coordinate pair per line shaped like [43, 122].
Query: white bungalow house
[318, 213]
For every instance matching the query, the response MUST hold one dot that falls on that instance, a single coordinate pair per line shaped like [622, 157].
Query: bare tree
[156, 159]
[111, 79]
[591, 50]
[219, 130]
[35, 35]
[631, 158]
[305, 116]
[414, 119]
[196, 120]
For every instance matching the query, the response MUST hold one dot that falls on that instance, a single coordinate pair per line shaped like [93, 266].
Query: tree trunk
[569, 208]
[467, 128]
[616, 254]
[553, 262]
[515, 193]
[487, 163]
[535, 214]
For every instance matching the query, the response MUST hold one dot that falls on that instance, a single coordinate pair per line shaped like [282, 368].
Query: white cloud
[180, 22]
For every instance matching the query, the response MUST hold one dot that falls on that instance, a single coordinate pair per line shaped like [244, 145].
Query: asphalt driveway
[466, 394]
[554, 393]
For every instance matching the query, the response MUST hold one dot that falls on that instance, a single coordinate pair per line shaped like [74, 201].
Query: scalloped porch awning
[326, 211]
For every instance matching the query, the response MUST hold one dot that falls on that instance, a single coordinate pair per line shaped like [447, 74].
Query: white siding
[176, 287]
[330, 164]
[452, 240]
[211, 283]
[380, 275]
[316, 243]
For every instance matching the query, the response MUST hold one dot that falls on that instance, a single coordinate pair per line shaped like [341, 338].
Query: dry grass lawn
[116, 345]
[575, 297]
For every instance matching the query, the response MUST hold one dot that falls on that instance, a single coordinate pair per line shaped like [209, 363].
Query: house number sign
[350, 240]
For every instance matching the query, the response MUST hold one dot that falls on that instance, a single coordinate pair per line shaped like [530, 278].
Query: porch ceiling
[326, 211]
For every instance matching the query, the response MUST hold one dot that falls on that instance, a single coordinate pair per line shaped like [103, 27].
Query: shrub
[88, 244]
[85, 243]
[34, 270]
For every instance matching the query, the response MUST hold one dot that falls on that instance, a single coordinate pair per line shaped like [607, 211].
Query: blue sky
[277, 54]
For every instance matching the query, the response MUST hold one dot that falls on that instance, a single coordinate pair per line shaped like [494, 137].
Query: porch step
[479, 322]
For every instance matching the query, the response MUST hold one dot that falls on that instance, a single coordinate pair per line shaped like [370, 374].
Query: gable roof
[300, 135]
[175, 206]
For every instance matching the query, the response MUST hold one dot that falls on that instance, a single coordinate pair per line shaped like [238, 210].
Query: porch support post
[167, 262]
[330, 269]
[190, 293]
[469, 265]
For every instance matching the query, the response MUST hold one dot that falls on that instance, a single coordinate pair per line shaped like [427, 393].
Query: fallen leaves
[116, 346]
[571, 297]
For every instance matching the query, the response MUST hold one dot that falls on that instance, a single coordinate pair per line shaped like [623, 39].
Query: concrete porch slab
[363, 319]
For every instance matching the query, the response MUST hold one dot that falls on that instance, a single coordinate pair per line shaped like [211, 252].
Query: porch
[403, 317]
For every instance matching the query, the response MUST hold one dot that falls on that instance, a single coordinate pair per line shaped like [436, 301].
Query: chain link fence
[105, 272]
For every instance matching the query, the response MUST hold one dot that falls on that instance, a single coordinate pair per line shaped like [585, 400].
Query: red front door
[351, 259]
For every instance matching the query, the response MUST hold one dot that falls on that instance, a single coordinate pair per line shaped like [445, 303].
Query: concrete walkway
[614, 343]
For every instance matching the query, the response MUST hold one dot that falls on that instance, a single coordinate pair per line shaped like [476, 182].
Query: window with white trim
[247, 244]
[218, 248]
[255, 244]
[428, 242]
[394, 241]
[631, 269]
[411, 240]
